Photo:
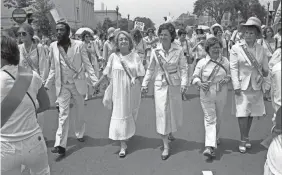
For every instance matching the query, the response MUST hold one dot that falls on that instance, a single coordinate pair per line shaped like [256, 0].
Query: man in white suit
[69, 62]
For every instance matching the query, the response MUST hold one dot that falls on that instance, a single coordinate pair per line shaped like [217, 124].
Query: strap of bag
[127, 71]
[215, 69]
[15, 96]
[64, 55]
[30, 62]
[158, 56]
[269, 47]
[253, 60]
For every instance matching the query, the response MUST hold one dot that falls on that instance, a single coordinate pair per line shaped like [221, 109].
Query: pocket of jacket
[175, 79]
[8, 156]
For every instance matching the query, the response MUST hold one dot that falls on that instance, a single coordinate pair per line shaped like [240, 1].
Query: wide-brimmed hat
[214, 26]
[254, 21]
[110, 32]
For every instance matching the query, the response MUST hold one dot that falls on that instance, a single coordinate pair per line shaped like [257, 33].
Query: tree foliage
[18, 3]
[42, 9]
[217, 8]
[213, 8]
[248, 8]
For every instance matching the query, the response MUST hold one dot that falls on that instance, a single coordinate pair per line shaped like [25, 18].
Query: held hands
[237, 91]
[205, 86]
[223, 81]
[144, 90]
[183, 89]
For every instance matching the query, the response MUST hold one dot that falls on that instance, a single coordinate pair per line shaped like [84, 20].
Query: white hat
[254, 21]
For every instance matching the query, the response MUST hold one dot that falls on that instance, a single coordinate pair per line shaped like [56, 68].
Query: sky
[153, 9]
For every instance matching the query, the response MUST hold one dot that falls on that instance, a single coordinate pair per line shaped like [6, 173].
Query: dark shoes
[209, 152]
[58, 149]
[171, 137]
[81, 139]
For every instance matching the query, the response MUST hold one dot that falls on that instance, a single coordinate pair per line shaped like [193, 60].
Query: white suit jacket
[78, 57]
[241, 69]
[175, 63]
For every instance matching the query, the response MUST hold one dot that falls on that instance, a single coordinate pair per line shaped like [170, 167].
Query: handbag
[108, 97]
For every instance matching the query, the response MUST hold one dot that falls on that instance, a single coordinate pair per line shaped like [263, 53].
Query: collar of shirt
[173, 47]
[8, 67]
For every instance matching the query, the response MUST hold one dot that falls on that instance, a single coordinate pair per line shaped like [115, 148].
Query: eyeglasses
[22, 33]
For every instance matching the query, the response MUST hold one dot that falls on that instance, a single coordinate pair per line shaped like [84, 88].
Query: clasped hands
[183, 89]
[205, 86]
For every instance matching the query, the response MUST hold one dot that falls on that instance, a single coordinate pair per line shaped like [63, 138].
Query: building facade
[101, 15]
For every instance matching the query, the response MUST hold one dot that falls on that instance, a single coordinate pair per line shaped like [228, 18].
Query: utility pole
[128, 22]
[117, 8]
[267, 16]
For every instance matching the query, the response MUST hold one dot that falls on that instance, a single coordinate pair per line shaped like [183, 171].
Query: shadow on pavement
[74, 145]
[229, 146]
[180, 145]
[140, 142]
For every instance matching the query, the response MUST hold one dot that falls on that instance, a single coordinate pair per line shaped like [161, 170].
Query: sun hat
[254, 21]
[110, 32]
[214, 26]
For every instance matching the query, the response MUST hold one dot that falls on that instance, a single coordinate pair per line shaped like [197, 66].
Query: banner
[139, 25]
[277, 19]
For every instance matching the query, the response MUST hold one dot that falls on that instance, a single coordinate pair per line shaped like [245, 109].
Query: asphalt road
[98, 155]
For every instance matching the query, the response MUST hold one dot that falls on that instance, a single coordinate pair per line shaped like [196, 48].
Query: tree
[147, 21]
[42, 9]
[248, 8]
[213, 8]
[107, 24]
[17, 3]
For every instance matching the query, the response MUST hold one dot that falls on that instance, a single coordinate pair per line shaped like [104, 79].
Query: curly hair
[127, 36]
[9, 50]
[170, 28]
[136, 35]
[84, 33]
[211, 42]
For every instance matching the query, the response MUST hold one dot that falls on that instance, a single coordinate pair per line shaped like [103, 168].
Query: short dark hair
[84, 33]
[95, 32]
[244, 28]
[67, 27]
[266, 28]
[211, 42]
[200, 31]
[9, 50]
[181, 32]
[170, 28]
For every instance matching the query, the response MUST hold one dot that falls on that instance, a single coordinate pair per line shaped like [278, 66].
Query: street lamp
[239, 12]
[128, 22]
[267, 16]
[117, 8]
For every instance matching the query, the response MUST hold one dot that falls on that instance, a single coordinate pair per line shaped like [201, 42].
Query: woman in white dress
[33, 56]
[212, 75]
[125, 71]
[248, 67]
[171, 81]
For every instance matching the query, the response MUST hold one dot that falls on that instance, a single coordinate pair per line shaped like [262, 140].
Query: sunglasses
[22, 33]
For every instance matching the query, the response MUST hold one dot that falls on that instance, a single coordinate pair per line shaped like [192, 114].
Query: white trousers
[31, 152]
[213, 104]
[69, 91]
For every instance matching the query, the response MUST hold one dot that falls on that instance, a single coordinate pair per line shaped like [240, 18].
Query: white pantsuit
[69, 91]
[213, 101]
[70, 84]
